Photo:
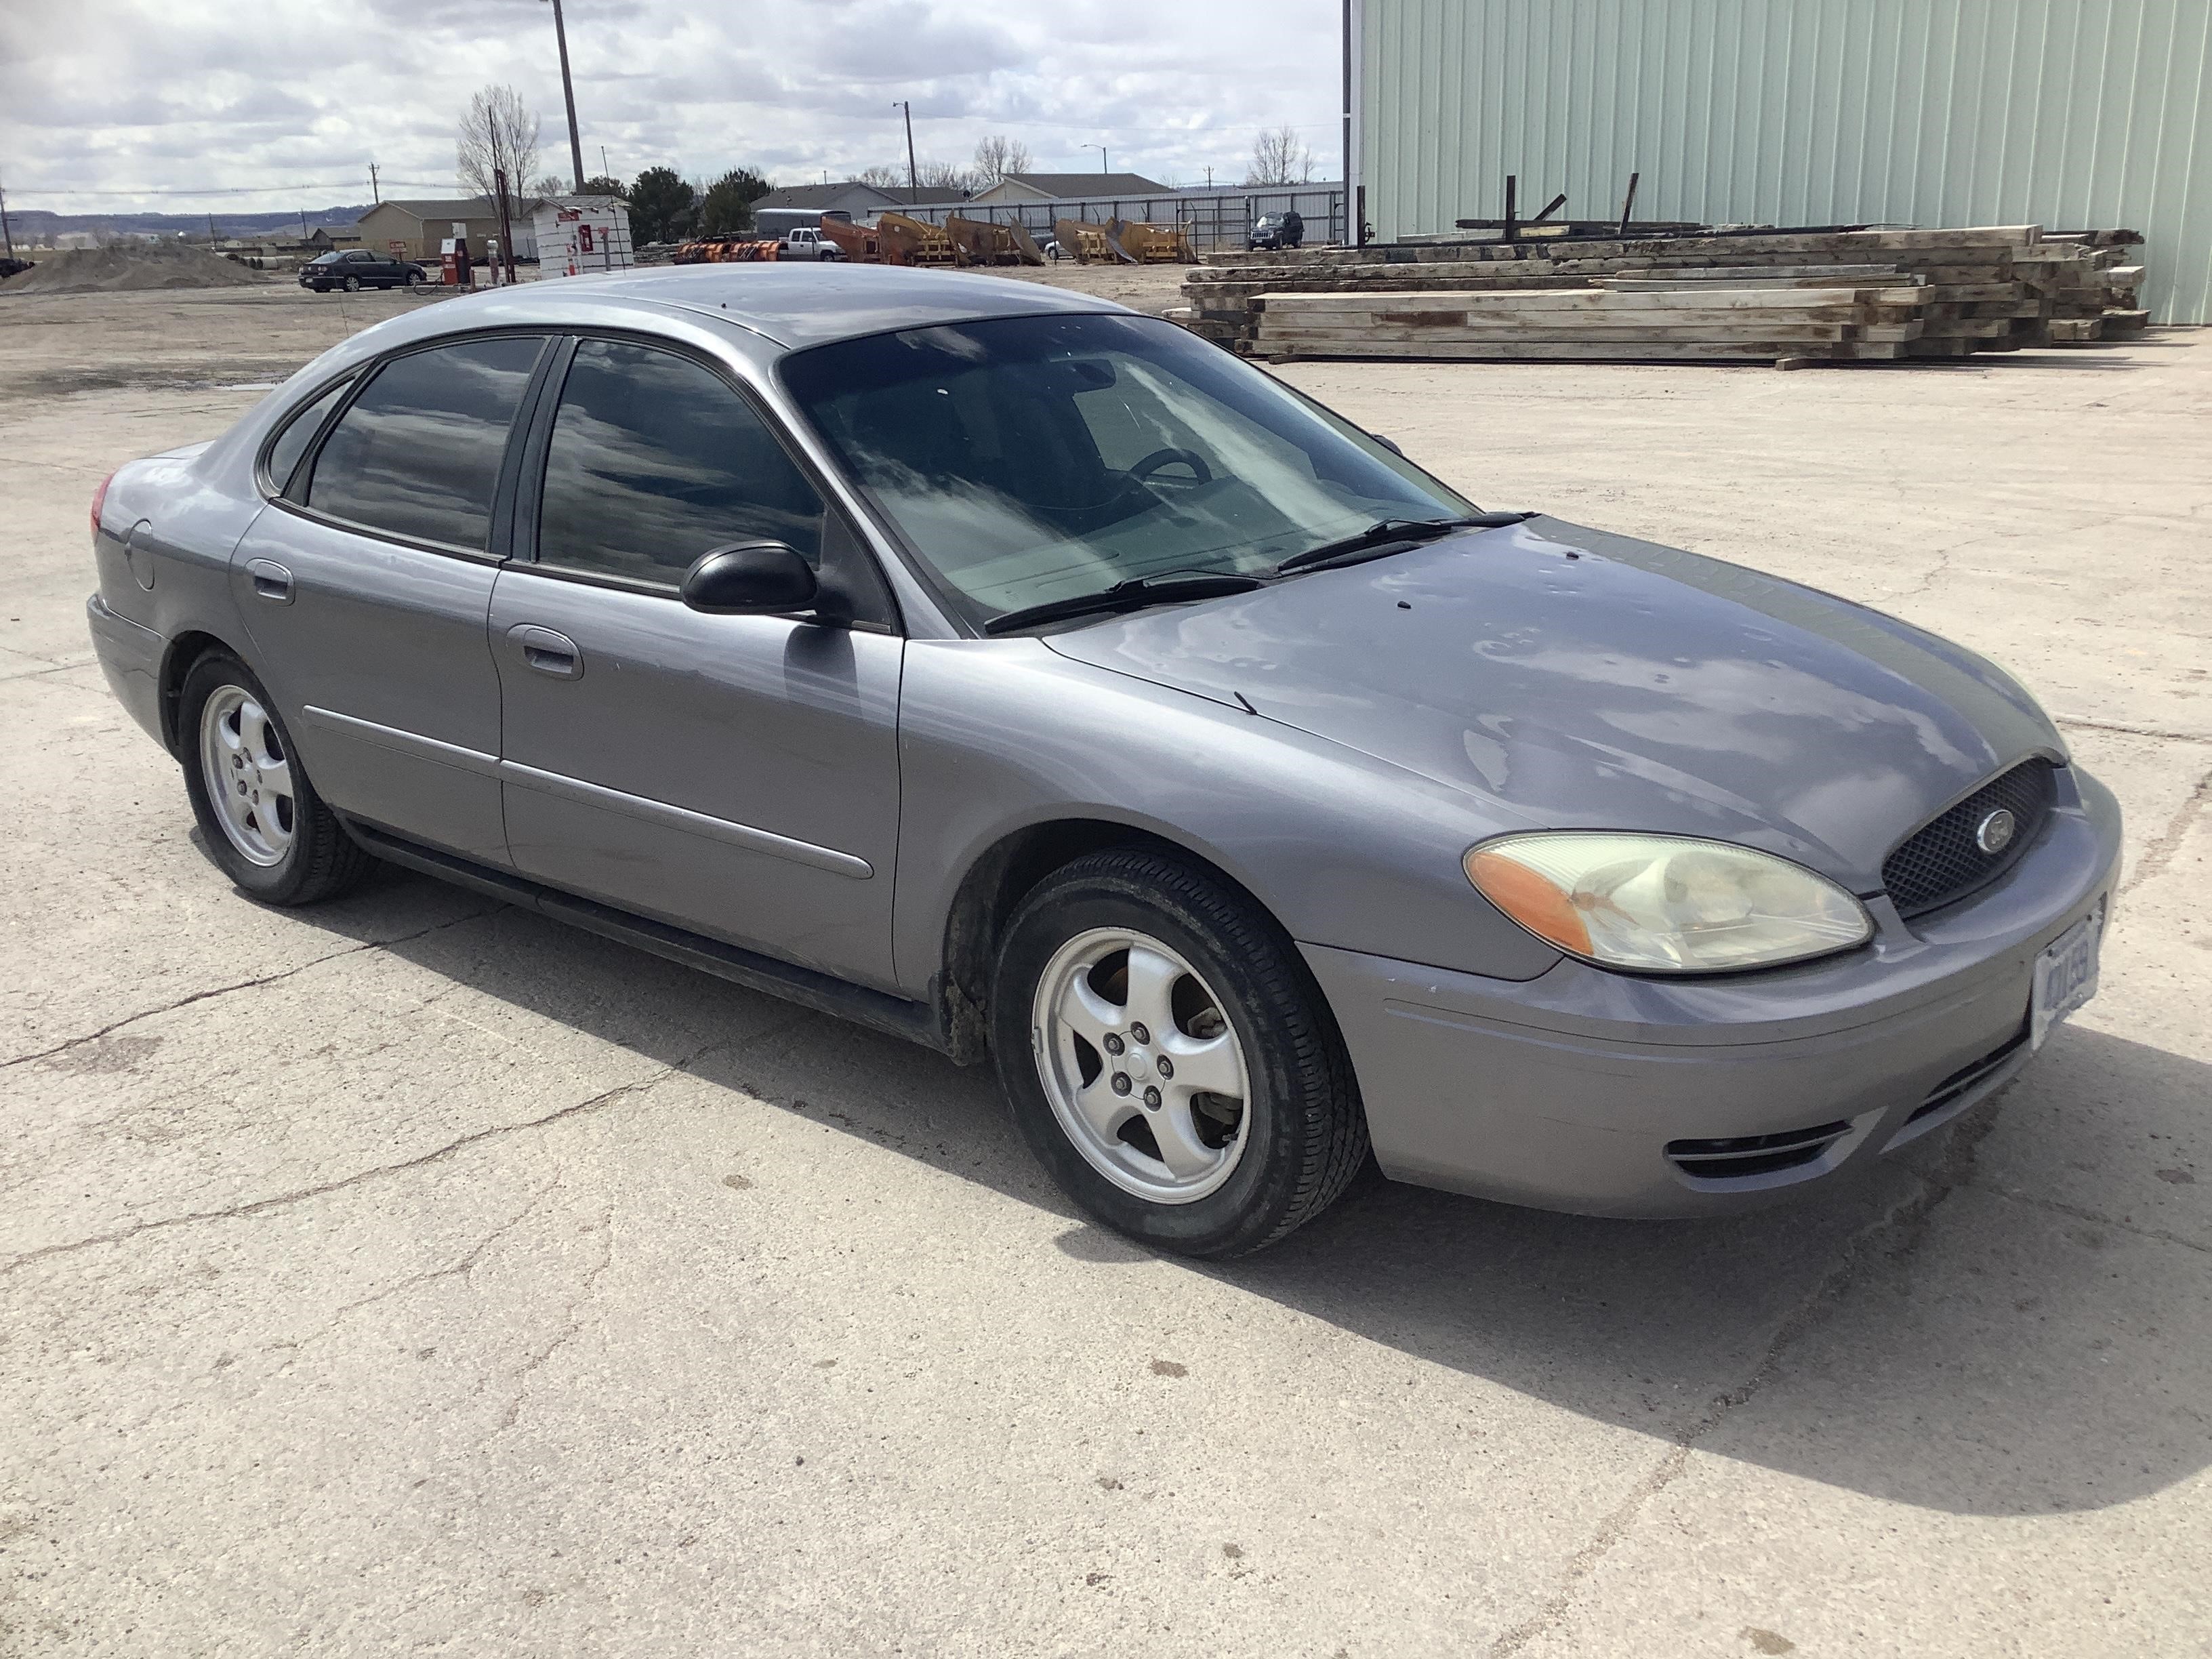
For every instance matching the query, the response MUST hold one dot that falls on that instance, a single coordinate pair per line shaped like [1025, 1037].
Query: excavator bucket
[1025, 245]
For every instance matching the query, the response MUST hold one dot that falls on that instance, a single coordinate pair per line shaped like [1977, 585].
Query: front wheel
[1169, 1058]
[262, 820]
[413, 277]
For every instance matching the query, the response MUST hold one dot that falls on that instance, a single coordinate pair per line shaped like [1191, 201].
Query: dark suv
[356, 268]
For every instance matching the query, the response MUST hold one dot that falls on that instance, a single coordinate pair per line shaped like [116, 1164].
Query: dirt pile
[127, 267]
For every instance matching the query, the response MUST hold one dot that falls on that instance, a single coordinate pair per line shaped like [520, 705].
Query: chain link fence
[1214, 219]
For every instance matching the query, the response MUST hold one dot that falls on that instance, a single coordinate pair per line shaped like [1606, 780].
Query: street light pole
[913, 173]
[1101, 149]
[569, 94]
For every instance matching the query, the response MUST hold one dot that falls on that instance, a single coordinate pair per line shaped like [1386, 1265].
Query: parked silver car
[998, 667]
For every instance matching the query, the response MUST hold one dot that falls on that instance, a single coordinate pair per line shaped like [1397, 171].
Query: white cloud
[299, 95]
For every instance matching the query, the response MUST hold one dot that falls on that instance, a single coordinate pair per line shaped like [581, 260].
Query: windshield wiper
[1388, 536]
[1132, 595]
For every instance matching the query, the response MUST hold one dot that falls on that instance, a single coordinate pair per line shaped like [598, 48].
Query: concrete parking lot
[414, 1274]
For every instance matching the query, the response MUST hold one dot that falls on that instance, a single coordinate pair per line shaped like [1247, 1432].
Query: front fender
[1000, 736]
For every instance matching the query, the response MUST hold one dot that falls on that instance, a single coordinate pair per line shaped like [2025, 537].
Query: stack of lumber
[1970, 290]
[2093, 285]
[1633, 320]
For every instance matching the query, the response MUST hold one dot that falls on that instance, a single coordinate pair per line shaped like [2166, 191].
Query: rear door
[735, 775]
[365, 586]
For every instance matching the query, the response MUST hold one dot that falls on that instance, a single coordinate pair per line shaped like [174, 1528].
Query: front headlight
[1666, 904]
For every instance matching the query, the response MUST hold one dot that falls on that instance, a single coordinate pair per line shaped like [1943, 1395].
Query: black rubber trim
[917, 1022]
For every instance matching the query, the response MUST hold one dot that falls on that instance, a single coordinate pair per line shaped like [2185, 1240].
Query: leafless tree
[550, 184]
[498, 134]
[882, 178]
[947, 176]
[997, 155]
[1278, 158]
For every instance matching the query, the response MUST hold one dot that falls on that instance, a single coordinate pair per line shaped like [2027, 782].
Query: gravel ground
[413, 1273]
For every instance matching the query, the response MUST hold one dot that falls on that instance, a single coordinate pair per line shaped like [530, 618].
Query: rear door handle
[547, 651]
[271, 581]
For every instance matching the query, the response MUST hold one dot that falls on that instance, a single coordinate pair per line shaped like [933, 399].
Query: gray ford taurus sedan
[994, 666]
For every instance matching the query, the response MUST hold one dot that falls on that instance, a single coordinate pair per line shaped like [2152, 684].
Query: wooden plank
[1560, 351]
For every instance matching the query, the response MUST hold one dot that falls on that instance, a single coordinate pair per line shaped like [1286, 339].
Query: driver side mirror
[748, 578]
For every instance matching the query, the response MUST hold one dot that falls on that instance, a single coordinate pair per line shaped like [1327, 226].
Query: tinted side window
[655, 460]
[292, 442]
[418, 454]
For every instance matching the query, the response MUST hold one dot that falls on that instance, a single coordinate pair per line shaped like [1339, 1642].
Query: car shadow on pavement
[1923, 1334]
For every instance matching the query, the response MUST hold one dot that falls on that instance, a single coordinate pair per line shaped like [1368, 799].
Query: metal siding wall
[2074, 114]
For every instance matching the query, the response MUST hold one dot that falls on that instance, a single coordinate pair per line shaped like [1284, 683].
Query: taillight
[98, 501]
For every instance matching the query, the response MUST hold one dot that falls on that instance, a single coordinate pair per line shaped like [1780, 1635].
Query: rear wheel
[353, 284]
[260, 817]
[1169, 1058]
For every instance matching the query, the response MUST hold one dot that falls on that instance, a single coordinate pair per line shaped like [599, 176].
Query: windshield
[1036, 459]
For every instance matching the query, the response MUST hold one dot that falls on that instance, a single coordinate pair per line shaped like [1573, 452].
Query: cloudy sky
[114, 105]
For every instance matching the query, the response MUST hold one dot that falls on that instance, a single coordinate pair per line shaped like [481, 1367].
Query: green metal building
[2071, 114]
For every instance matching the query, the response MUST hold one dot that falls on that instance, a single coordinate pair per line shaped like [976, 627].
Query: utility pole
[7, 235]
[568, 95]
[374, 194]
[603, 163]
[913, 175]
[303, 224]
[1101, 149]
[1209, 178]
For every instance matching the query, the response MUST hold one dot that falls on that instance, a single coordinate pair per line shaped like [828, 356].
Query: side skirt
[917, 1022]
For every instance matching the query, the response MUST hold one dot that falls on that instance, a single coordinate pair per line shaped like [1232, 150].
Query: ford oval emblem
[1994, 833]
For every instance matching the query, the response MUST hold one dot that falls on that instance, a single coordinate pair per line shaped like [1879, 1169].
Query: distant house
[414, 230]
[794, 205]
[1019, 187]
[324, 238]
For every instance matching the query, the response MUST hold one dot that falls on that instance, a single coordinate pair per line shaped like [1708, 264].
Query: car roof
[806, 305]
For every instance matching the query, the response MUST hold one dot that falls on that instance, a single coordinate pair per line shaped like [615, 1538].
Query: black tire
[323, 860]
[1306, 1130]
[353, 284]
[413, 277]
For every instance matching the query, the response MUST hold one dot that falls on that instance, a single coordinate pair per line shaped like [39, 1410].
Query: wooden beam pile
[2092, 285]
[1925, 293]
[1704, 322]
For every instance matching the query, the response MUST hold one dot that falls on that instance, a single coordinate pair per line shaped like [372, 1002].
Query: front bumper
[1567, 1092]
[131, 657]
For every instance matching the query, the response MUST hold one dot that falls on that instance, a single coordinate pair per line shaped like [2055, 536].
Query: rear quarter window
[417, 455]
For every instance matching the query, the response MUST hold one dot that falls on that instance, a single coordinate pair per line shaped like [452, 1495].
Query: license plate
[2066, 974]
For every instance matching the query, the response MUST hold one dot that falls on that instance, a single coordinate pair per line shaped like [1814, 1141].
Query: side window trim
[293, 497]
[879, 612]
[262, 474]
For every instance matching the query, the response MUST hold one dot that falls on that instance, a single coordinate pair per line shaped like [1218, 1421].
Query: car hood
[1570, 677]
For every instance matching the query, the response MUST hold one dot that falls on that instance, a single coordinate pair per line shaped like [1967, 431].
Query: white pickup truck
[807, 243]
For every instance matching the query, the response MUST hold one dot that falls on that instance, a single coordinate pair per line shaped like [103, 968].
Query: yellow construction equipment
[1154, 245]
[913, 241]
[1090, 243]
[977, 242]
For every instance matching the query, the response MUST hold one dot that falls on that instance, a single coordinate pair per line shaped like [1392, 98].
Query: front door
[367, 587]
[734, 775]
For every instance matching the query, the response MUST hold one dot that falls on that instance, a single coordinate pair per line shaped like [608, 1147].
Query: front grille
[1738, 1158]
[1968, 1076]
[1942, 862]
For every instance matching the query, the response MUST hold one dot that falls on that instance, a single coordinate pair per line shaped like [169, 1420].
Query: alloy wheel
[248, 775]
[1141, 1064]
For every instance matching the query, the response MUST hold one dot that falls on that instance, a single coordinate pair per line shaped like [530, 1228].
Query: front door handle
[271, 581]
[547, 651]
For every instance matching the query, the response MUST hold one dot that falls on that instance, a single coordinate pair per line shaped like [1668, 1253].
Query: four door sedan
[994, 666]
[356, 268]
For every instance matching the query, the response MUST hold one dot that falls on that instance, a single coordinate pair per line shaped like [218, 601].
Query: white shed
[579, 234]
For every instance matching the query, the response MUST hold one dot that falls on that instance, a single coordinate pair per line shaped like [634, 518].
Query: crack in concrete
[323, 1189]
[2167, 844]
[2159, 733]
[2076, 1211]
[110, 1028]
[1895, 1236]
[572, 1326]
